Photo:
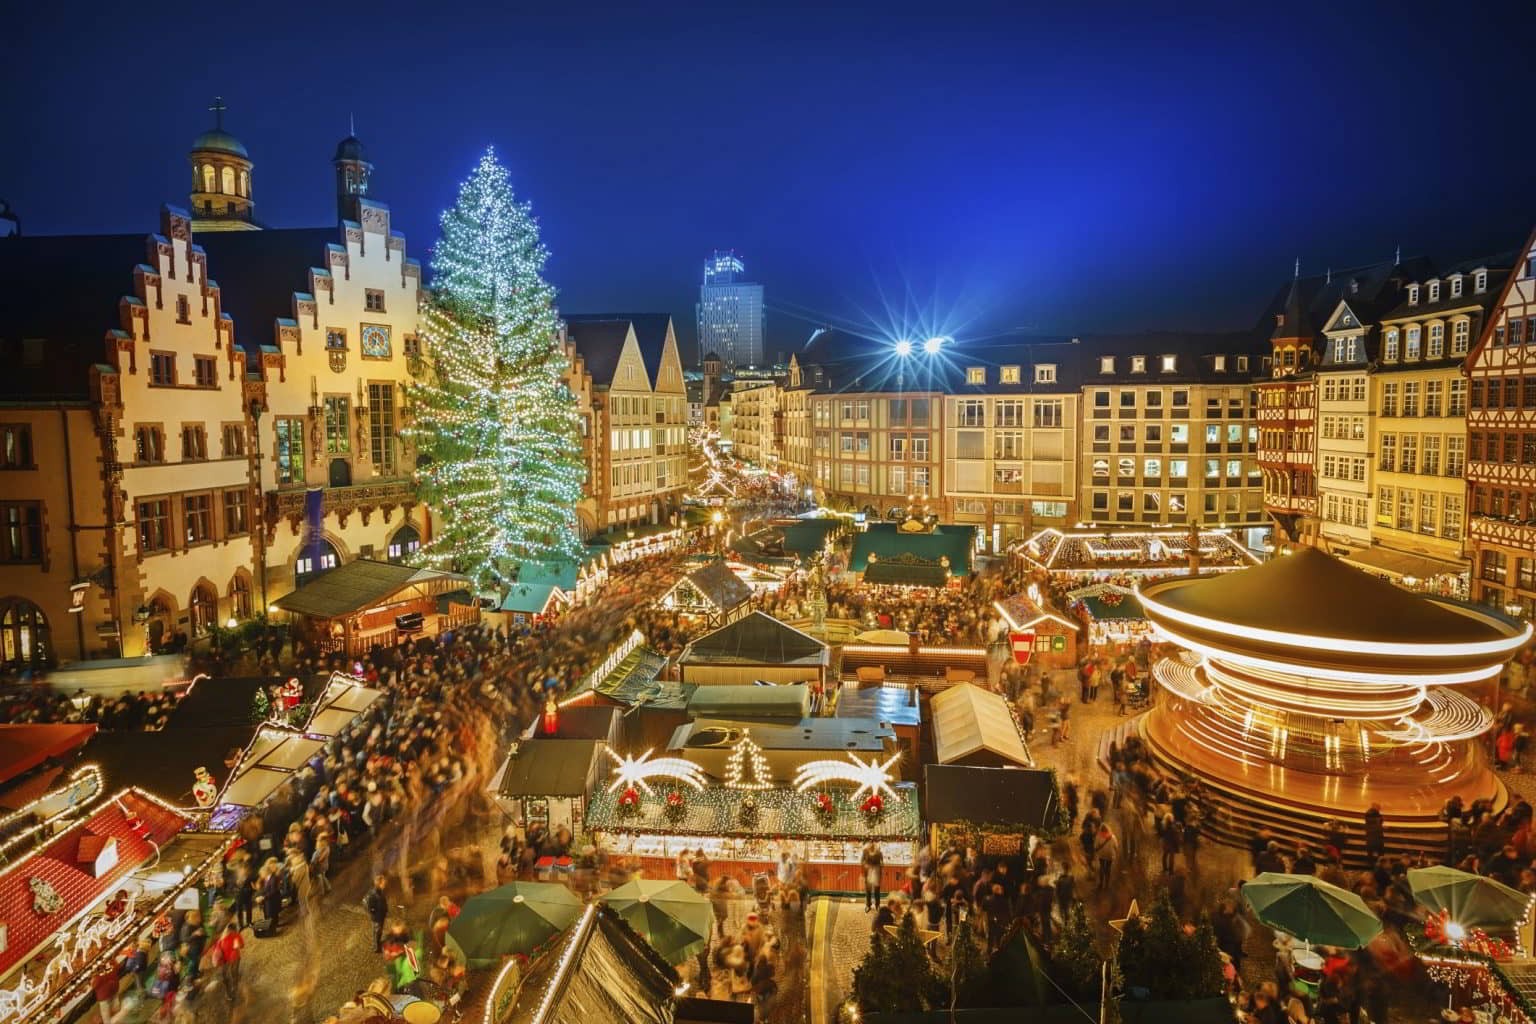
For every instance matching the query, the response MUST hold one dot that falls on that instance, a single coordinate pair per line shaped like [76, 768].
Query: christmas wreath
[873, 806]
[825, 808]
[676, 806]
[748, 812]
[629, 801]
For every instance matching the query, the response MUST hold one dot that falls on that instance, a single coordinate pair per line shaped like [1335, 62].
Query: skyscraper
[730, 313]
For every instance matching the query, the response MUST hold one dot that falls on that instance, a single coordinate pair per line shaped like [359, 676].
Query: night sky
[959, 167]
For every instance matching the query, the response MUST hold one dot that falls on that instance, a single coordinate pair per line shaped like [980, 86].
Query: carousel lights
[637, 772]
[1319, 672]
[1500, 648]
[872, 777]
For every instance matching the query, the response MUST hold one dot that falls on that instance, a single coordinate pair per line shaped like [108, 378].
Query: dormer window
[1242, 364]
[975, 375]
[1045, 373]
[1455, 283]
[1106, 364]
[1413, 295]
[1169, 363]
[1479, 281]
[1434, 291]
[1220, 363]
[1009, 375]
[1138, 364]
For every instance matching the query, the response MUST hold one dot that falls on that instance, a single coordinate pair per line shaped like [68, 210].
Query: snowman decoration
[204, 789]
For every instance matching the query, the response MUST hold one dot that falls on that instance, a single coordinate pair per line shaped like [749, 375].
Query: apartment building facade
[1501, 456]
[1345, 459]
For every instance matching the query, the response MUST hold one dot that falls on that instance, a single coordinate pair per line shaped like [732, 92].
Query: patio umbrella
[672, 916]
[1472, 901]
[1311, 909]
[515, 918]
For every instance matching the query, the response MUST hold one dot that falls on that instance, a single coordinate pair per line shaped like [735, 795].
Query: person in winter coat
[1106, 847]
[376, 903]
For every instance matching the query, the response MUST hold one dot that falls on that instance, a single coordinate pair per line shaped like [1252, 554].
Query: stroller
[1138, 696]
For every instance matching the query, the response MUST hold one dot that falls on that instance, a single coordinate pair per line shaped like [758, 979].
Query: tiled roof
[258, 273]
[130, 819]
[62, 291]
[599, 337]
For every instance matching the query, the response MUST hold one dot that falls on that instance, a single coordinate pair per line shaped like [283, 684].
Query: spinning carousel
[1309, 690]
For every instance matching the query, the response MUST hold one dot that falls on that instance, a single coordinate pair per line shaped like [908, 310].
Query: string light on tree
[747, 768]
[494, 422]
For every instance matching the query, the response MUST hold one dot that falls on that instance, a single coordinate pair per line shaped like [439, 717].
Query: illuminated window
[1009, 375]
[975, 375]
[1138, 364]
[1106, 364]
[1170, 363]
[1045, 373]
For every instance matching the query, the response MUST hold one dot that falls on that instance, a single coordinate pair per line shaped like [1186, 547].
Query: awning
[906, 574]
[270, 761]
[363, 584]
[976, 727]
[543, 768]
[756, 639]
[1014, 797]
[343, 700]
[790, 702]
[24, 747]
[1401, 564]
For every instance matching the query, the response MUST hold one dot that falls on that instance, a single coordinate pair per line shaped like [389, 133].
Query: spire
[1397, 257]
[352, 125]
[1330, 276]
[218, 109]
[1296, 276]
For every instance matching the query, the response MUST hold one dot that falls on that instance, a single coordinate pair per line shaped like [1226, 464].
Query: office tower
[730, 312]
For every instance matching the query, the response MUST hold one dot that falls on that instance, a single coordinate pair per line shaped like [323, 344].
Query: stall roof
[532, 598]
[360, 584]
[792, 702]
[604, 972]
[226, 701]
[720, 586]
[129, 820]
[913, 559]
[1105, 601]
[808, 536]
[549, 768]
[24, 747]
[272, 759]
[756, 639]
[976, 726]
[856, 734]
[1022, 797]
[165, 764]
[580, 723]
[345, 698]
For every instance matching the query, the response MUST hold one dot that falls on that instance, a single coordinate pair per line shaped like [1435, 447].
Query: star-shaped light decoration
[637, 771]
[871, 777]
[1134, 910]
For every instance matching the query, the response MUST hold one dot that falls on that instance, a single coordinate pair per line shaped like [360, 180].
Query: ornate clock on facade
[376, 341]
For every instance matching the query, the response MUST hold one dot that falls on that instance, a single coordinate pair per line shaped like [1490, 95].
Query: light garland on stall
[872, 777]
[747, 768]
[636, 772]
[89, 774]
[568, 954]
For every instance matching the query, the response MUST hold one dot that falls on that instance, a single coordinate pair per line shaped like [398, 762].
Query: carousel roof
[1312, 594]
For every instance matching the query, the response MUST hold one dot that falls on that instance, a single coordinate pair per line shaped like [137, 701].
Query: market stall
[1112, 613]
[343, 701]
[973, 726]
[545, 782]
[1001, 811]
[361, 604]
[757, 647]
[1094, 553]
[823, 813]
[1047, 636]
[712, 595]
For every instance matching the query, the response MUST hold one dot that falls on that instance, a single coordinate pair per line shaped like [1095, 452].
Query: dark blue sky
[1066, 168]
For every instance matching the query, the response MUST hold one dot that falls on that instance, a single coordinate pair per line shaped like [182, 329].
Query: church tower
[712, 368]
[352, 173]
[221, 179]
[1293, 336]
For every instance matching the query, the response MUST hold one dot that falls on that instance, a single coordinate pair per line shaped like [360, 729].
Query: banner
[1023, 645]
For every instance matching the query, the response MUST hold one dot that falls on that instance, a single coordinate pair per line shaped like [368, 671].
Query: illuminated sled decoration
[638, 771]
[873, 777]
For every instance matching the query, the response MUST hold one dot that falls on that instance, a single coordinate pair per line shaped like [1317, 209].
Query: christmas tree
[1075, 962]
[494, 422]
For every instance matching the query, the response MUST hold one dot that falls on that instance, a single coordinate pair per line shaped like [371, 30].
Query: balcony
[341, 502]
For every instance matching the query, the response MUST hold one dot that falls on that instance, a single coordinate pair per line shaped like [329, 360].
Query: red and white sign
[1023, 646]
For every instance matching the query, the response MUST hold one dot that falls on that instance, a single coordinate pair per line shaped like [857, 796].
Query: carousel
[1309, 690]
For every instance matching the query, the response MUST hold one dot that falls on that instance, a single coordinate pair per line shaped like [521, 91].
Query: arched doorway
[240, 597]
[310, 564]
[24, 636]
[341, 473]
[204, 609]
[160, 624]
[405, 543]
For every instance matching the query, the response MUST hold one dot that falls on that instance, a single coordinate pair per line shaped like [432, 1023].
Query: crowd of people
[35, 705]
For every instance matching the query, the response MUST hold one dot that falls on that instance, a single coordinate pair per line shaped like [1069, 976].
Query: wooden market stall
[1001, 810]
[711, 594]
[1049, 636]
[364, 604]
[974, 726]
[755, 648]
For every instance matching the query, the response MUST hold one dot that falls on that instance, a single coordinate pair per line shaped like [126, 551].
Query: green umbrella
[515, 918]
[1472, 901]
[672, 916]
[1312, 910]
